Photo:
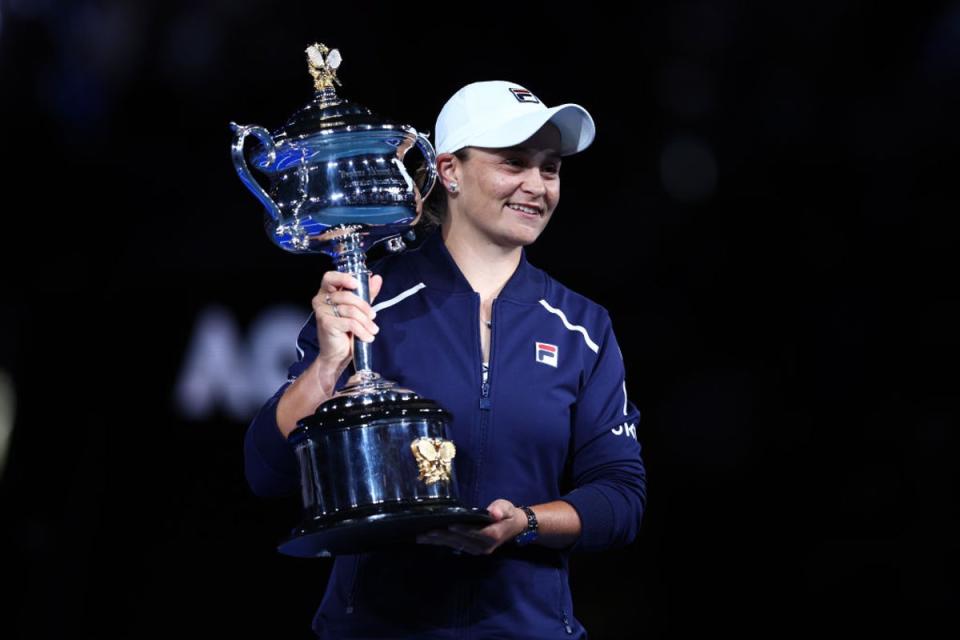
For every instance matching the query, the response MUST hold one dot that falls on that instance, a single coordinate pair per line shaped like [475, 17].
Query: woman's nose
[533, 182]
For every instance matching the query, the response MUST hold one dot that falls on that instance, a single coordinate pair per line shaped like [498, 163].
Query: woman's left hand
[509, 522]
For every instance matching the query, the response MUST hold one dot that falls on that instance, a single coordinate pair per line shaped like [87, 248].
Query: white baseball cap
[498, 114]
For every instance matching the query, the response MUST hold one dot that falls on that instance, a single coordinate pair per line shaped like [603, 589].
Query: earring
[453, 187]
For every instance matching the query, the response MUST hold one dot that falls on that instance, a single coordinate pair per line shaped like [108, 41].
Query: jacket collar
[438, 270]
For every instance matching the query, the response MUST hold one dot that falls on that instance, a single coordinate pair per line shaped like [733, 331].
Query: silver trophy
[376, 465]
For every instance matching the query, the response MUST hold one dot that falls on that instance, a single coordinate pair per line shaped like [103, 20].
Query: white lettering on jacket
[628, 428]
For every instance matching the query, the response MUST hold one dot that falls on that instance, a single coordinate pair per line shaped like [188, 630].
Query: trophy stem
[352, 259]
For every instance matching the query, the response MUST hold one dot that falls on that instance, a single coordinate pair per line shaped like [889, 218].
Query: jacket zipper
[485, 392]
[486, 404]
[566, 623]
[485, 384]
[563, 611]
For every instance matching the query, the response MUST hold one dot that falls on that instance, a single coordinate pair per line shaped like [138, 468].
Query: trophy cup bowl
[376, 465]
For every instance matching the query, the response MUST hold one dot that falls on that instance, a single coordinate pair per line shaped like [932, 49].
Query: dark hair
[435, 206]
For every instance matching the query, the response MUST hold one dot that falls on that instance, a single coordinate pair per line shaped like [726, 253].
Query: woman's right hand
[335, 339]
[340, 315]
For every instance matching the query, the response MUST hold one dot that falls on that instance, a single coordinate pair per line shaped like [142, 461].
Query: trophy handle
[240, 162]
[431, 158]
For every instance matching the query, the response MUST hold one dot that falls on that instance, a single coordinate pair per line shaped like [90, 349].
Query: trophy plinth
[376, 463]
[374, 472]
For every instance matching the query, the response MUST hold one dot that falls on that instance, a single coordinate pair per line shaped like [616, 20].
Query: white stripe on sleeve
[572, 327]
[399, 298]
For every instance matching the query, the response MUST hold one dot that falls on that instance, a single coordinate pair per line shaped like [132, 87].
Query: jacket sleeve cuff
[269, 442]
[596, 517]
[269, 445]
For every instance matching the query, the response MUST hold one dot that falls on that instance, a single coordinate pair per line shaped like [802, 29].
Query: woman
[530, 370]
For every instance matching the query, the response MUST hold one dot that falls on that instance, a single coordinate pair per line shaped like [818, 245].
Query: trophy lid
[328, 112]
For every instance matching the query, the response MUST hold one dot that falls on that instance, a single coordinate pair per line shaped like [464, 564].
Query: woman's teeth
[529, 210]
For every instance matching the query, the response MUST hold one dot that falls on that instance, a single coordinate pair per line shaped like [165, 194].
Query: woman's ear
[447, 166]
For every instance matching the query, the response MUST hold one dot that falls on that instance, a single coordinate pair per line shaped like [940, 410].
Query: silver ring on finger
[333, 307]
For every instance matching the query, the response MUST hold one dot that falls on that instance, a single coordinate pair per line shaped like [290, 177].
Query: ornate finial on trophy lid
[323, 63]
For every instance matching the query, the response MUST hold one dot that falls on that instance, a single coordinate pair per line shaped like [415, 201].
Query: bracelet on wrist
[532, 532]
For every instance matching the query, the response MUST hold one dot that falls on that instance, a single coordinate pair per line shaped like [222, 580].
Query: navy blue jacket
[553, 423]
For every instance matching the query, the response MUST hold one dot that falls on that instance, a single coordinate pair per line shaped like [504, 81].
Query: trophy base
[375, 528]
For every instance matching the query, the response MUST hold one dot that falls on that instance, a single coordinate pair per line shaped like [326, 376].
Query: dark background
[766, 212]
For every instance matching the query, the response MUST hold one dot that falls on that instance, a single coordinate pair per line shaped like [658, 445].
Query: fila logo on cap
[547, 354]
[522, 95]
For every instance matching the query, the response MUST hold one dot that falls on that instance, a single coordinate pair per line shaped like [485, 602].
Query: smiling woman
[530, 370]
[505, 196]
